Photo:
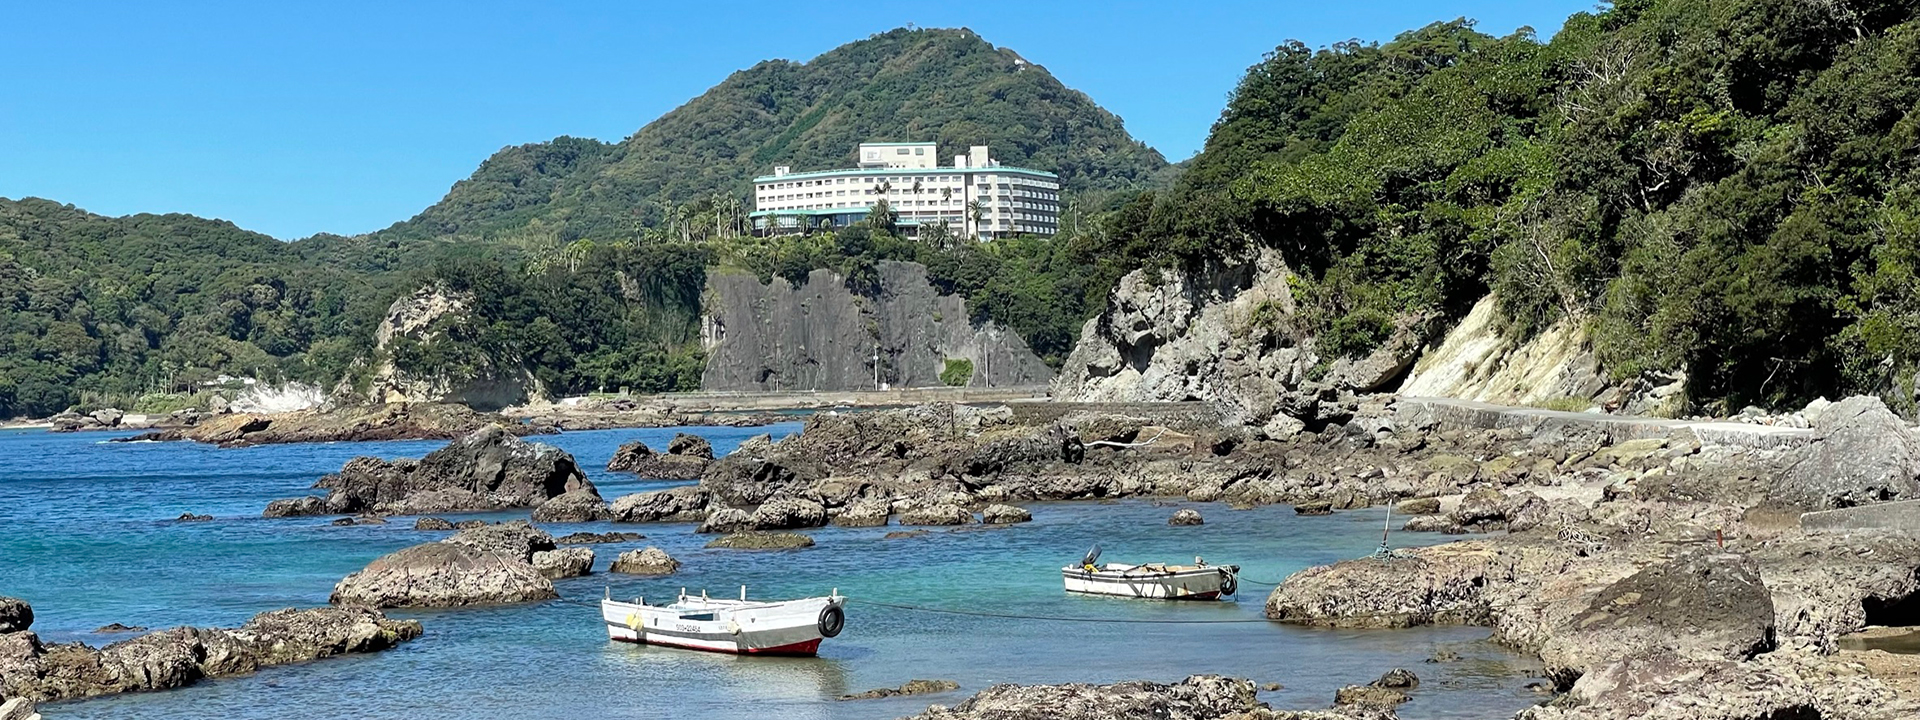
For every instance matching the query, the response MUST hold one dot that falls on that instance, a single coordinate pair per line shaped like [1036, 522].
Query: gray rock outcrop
[563, 563]
[762, 541]
[650, 561]
[1861, 453]
[682, 504]
[443, 574]
[1186, 516]
[15, 615]
[1701, 605]
[573, 506]
[182, 656]
[487, 469]
[998, 514]
[420, 318]
[684, 459]
[1201, 697]
[944, 514]
[822, 336]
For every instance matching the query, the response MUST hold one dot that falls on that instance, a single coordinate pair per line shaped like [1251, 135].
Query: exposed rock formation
[488, 564]
[1701, 605]
[589, 538]
[181, 656]
[912, 687]
[486, 470]
[947, 514]
[1186, 516]
[1475, 361]
[682, 504]
[345, 424]
[651, 561]
[1201, 697]
[18, 709]
[577, 505]
[762, 541]
[821, 336]
[15, 615]
[687, 464]
[421, 318]
[1861, 453]
[997, 514]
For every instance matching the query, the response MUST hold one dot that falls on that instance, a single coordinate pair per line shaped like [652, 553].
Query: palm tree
[882, 217]
[975, 211]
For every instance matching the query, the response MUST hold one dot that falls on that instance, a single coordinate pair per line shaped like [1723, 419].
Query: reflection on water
[757, 679]
[1900, 641]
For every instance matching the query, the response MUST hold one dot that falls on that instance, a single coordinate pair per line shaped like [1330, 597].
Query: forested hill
[924, 84]
[158, 305]
[1728, 189]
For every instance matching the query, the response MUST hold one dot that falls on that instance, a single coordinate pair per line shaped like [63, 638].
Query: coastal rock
[681, 504]
[904, 534]
[573, 506]
[18, 709]
[1442, 584]
[688, 445]
[112, 628]
[787, 514]
[1700, 605]
[563, 563]
[1774, 686]
[635, 457]
[1201, 697]
[588, 538]
[1186, 516]
[1313, 507]
[1418, 506]
[443, 574]
[486, 470]
[1861, 453]
[726, 520]
[432, 523]
[15, 615]
[1371, 697]
[296, 507]
[1399, 679]
[420, 317]
[1004, 515]
[864, 513]
[1483, 507]
[181, 656]
[762, 541]
[190, 517]
[351, 423]
[514, 539]
[912, 687]
[937, 515]
[650, 561]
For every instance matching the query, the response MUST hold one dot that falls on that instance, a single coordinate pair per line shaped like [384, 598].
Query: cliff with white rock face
[821, 336]
[420, 319]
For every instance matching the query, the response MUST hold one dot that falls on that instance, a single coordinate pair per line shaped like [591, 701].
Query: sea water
[87, 536]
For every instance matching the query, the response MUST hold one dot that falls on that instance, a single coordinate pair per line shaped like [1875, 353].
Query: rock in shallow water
[1186, 516]
[937, 515]
[588, 538]
[864, 513]
[912, 687]
[514, 539]
[1201, 697]
[1004, 515]
[15, 615]
[650, 561]
[18, 709]
[432, 523]
[563, 563]
[486, 470]
[762, 541]
[443, 574]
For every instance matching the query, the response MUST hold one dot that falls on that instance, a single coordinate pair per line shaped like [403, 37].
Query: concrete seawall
[1449, 412]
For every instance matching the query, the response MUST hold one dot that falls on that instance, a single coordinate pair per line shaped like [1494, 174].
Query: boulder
[432, 523]
[651, 561]
[787, 514]
[1433, 523]
[15, 615]
[762, 541]
[726, 520]
[688, 445]
[296, 507]
[588, 538]
[864, 513]
[904, 534]
[1371, 697]
[22, 709]
[107, 417]
[945, 514]
[1186, 516]
[1399, 679]
[681, 504]
[1529, 511]
[1201, 697]
[1699, 605]
[1861, 453]
[563, 563]
[488, 469]
[1442, 584]
[1004, 515]
[443, 574]
[513, 539]
[1418, 506]
[190, 517]
[1483, 507]
[912, 687]
[113, 628]
[635, 457]
[573, 506]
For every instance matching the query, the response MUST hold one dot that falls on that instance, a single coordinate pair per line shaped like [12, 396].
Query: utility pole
[876, 366]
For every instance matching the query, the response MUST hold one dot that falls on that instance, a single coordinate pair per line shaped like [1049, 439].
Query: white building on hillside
[974, 197]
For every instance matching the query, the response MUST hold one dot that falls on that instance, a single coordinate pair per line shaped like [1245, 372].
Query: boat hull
[1204, 583]
[790, 628]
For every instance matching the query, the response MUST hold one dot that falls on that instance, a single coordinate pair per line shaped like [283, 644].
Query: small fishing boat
[746, 627]
[1198, 581]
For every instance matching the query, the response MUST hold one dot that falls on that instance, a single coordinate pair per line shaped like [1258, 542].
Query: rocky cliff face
[1224, 334]
[417, 317]
[821, 336]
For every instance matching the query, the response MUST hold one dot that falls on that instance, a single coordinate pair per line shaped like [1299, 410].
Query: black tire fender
[832, 621]
[1229, 584]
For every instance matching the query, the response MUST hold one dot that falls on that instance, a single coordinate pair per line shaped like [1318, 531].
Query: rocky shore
[181, 656]
[488, 469]
[393, 421]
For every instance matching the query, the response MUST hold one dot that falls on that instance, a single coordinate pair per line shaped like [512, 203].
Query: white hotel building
[1012, 201]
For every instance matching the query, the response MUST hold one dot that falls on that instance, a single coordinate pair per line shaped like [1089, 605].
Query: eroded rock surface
[1201, 697]
[488, 469]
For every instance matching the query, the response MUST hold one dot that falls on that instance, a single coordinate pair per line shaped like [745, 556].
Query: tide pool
[87, 535]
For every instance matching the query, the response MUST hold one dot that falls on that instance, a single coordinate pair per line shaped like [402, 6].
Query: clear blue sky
[301, 117]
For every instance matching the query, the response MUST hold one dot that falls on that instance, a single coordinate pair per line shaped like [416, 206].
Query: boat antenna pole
[1386, 527]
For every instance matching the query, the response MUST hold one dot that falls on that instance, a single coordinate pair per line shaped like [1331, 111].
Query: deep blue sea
[87, 536]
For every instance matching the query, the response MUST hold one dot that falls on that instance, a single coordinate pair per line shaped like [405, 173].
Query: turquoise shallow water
[86, 535]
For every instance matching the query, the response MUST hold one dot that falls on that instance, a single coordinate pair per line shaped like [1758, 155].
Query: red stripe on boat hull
[809, 648]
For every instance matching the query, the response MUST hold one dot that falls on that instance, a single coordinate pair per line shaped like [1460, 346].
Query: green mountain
[948, 85]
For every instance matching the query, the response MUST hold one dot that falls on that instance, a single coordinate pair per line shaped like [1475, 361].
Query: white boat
[1198, 581]
[747, 627]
